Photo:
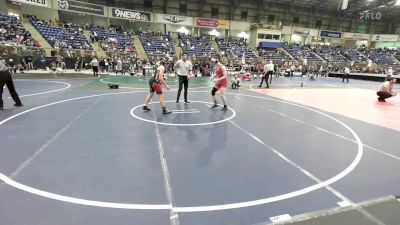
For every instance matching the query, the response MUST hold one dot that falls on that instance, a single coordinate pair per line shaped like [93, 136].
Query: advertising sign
[330, 34]
[223, 24]
[384, 37]
[301, 31]
[80, 7]
[173, 19]
[356, 36]
[42, 3]
[130, 14]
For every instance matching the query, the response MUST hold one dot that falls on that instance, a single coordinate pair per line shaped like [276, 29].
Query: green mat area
[380, 211]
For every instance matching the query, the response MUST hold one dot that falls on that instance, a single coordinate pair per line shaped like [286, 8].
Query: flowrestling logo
[62, 4]
[130, 15]
[370, 16]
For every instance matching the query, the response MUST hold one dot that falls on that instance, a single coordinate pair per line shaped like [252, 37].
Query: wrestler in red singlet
[221, 82]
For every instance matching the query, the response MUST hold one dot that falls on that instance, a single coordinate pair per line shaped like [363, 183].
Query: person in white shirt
[304, 61]
[268, 71]
[321, 70]
[118, 67]
[183, 69]
[346, 74]
[386, 89]
[95, 67]
[292, 70]
[106, 65]
[390, 71]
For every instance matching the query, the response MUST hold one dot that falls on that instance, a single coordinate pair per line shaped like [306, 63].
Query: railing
[116, 54]
[35, 51]
[20, 51]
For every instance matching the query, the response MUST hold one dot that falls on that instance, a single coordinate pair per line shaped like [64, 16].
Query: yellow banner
[223, 24]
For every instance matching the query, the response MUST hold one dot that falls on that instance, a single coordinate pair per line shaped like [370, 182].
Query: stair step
[96, 47]
[216, 47]
[178, 48]
[37, 36]
[141, 53]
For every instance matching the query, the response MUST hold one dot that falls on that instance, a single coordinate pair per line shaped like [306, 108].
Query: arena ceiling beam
[293, 5]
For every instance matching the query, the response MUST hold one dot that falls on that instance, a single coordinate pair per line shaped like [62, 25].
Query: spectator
[235, 82]
[95, 67]
[386, 89]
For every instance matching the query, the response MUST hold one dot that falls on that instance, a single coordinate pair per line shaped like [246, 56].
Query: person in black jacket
[5, 78]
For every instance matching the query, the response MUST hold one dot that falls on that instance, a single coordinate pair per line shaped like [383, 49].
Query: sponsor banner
[173, 19]
[301, 31]
[305, 31]
[42, 3]
[356, 36]
[384, 37]
[130, 14]
[223, 24]
[330, 34]
[80, 7]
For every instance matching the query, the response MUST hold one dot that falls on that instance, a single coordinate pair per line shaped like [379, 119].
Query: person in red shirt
[221, 82]
[245, 76]
[37, 44]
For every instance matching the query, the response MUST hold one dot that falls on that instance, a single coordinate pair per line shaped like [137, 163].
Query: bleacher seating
[332, 55]
[396, 53]
[13, 33]
[271, 54]
[382, 58]
[356, 56]
[301, 52]
[196, 46]
[157, 44]
[236, 49]
[67, 37]
[113, 39]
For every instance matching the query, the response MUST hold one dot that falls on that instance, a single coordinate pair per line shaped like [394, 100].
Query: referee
[183, 69]
[5, 78]
[268, 71]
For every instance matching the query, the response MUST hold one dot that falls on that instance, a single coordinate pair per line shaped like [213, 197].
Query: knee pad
[214, 90]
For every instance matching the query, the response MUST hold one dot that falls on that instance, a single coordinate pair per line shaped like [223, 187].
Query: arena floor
[81, 153]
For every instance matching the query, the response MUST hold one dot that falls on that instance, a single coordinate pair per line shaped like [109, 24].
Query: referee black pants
[183, 82]
[384, 95]
[5, 78]
[266, 78]
[346, 77]
[270, 73]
